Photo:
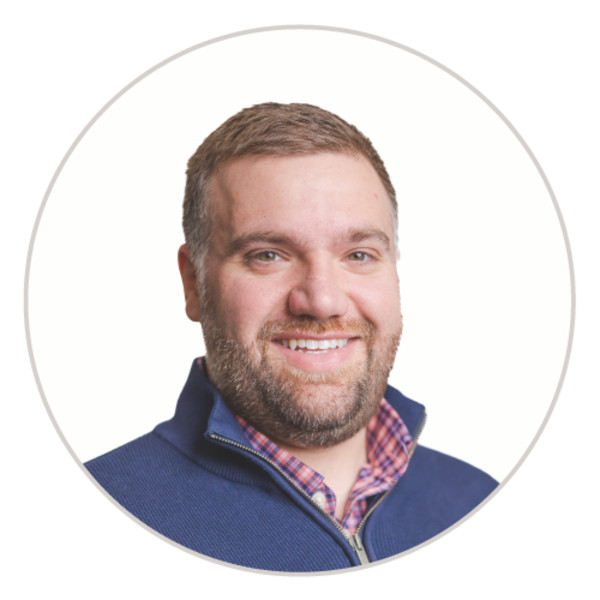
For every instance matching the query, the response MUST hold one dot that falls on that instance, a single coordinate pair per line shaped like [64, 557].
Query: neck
[339, 465]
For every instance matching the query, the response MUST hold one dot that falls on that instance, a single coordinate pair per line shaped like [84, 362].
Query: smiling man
[288, 451]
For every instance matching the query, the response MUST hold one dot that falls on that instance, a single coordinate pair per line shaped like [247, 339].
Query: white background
[483, 269]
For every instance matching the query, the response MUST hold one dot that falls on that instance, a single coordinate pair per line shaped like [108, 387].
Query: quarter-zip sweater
[197, 480]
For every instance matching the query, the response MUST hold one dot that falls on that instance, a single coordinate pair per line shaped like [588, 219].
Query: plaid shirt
[388, 445]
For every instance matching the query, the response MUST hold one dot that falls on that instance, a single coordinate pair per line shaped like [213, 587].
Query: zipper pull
[359, 549]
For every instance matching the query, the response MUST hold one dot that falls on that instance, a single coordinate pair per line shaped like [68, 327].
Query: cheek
[248, 302]
[380, 303]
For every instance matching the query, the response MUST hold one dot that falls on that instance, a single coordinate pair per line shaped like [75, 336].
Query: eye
[359, 256]
[266, 256]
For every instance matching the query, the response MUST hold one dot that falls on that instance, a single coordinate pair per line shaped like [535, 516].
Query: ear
[189, 280]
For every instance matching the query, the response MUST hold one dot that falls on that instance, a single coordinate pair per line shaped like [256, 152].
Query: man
[288, 451]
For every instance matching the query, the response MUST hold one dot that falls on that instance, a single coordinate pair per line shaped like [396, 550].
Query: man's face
[300, 305]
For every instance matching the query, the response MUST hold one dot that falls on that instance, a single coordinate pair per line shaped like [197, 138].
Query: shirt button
[319, 498]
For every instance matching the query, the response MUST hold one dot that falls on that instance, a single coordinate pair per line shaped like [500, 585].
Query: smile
[312, 346]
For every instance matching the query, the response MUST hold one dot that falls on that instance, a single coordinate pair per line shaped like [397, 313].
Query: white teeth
[313, 344]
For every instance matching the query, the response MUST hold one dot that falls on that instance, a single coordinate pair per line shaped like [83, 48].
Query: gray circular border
[336, 30]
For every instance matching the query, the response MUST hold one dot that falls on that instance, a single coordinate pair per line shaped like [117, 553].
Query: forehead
[301, 196]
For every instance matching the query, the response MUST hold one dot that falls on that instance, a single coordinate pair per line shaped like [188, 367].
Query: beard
[304, 409]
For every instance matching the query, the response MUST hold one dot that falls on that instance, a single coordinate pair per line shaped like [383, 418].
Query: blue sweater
[196, 480]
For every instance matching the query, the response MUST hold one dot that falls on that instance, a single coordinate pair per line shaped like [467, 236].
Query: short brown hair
[274, 130]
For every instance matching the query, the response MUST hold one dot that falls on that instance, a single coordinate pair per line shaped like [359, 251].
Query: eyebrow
[352, 236]
[356, 235]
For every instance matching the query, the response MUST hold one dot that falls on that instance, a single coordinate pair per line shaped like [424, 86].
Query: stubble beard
[300, 408]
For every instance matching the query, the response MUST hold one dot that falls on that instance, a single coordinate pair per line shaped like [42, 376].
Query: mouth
[317, 354]
[311, 345]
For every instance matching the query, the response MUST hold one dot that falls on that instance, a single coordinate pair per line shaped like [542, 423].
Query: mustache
[362, 328]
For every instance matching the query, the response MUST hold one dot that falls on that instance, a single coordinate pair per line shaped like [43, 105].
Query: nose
[317, 293]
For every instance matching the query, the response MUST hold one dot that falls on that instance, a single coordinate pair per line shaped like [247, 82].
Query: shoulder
[434, 493]
[138, 471]
[448, 476]
[151, 465]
